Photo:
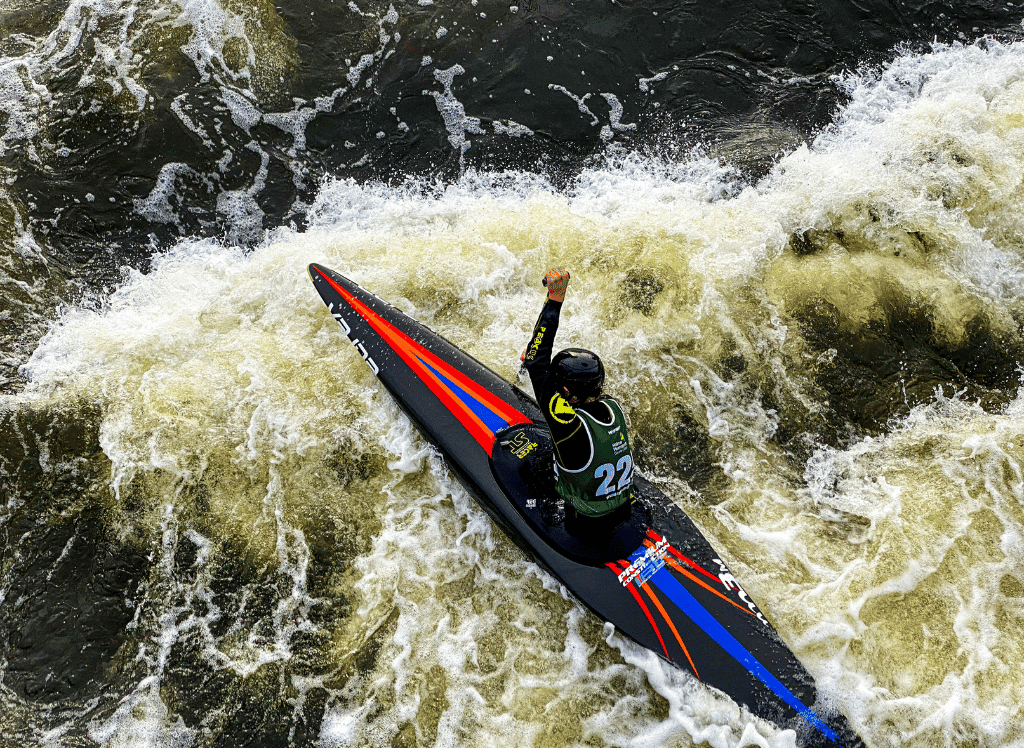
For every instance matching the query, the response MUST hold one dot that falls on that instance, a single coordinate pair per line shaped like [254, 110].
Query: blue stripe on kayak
[490, 419]
[687, 603]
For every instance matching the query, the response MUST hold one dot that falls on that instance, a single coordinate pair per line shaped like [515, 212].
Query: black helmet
[578, 370]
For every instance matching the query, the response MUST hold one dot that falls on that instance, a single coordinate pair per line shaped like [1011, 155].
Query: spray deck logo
[520, 445]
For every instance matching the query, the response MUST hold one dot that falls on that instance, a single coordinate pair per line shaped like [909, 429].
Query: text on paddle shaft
[355, 341]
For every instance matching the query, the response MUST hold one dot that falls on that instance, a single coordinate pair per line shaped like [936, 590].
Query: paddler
[592, 456]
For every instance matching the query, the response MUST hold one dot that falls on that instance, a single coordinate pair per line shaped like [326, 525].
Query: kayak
[656, 578]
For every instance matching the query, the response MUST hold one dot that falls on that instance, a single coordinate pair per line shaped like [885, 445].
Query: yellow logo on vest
[560, 409]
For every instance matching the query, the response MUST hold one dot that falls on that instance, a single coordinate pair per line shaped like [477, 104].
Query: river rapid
[796, 237]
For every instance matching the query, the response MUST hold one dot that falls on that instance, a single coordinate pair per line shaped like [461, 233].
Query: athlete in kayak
[593, 460]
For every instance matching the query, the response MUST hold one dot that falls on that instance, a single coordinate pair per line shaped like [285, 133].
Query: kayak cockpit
[522, 463]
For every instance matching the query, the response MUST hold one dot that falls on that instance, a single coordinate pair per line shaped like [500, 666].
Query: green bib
[606, 482]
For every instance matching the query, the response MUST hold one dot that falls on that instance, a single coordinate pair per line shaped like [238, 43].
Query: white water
[240, 422]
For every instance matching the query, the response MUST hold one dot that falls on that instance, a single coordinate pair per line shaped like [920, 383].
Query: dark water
[263, 101]
[128, 126]
[800, 225]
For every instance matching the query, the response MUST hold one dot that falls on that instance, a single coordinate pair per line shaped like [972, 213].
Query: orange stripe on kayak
[661, 609]
[703, 584]
[642, 604]
[688, 561]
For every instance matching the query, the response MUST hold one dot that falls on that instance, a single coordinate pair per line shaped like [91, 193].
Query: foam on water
[252, 442]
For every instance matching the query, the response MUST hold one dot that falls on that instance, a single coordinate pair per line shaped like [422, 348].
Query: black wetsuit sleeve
[572, 443]
[538, 353]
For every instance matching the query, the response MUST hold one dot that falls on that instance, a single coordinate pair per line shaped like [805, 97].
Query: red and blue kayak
[656, 579]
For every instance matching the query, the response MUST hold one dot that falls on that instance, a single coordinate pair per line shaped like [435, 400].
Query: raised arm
[537, 359]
